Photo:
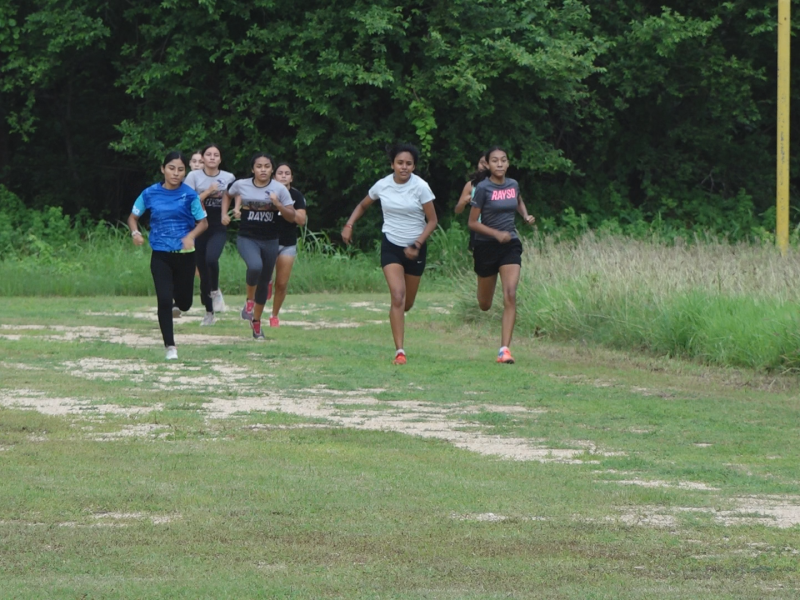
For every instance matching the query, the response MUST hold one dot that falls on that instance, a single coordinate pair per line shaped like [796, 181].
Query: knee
[280, 287]
[398, 299]
[485, 305]
[409, 305]
[253, 275]
[510, 297]
[184, 305]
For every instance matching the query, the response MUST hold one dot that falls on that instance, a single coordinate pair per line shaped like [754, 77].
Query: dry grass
[713, 302]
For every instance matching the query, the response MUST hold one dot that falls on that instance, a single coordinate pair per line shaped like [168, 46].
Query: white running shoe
[176, 312]
[209, 319]
[172, 353]
[217, 301]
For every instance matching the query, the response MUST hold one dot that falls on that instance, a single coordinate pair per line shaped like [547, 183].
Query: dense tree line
[625, 110]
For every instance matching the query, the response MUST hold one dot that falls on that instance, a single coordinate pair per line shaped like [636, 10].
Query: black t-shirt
[288, 231]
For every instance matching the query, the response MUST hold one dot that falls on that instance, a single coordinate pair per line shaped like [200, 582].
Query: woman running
[210, 183]
[468, 192]
[258, 202]
[196, 162]
[177, 218]
[287, 241]
[407, 203]
[469, 187]
[497, 245]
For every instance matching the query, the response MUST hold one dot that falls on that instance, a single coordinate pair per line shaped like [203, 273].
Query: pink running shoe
[257, 333]
[247, 311]
[274, 322]
[505, 357]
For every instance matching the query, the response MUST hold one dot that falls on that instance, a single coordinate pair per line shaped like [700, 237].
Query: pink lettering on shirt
[507, 194]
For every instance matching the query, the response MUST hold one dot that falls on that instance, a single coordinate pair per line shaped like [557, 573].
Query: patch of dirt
[55, 406]
[782, 512]
[359, 410]
[116, 335]
[214, 376]
[683, 485]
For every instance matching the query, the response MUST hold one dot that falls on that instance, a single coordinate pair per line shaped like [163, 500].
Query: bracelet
[347, 225]
[135, 233]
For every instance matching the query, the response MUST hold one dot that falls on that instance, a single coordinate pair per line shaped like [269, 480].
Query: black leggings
[208, 248]
[173, 275]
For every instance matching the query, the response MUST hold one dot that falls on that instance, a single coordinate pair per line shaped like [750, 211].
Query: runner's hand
[412, 252]
[503, 237]
[237, 214]
[138, 240]
[226, 220]
[187, 243]
[530, 219]
[347, 234]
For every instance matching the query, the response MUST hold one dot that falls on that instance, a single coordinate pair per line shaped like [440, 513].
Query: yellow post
[784, 35]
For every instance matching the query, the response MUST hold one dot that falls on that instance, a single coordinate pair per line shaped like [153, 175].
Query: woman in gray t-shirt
[260, 202]
[497, 249]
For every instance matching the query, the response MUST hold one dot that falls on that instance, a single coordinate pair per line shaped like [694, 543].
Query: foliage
[621, 112]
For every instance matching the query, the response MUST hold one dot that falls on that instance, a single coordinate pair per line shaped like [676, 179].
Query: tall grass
[105, 263]
[720, 303]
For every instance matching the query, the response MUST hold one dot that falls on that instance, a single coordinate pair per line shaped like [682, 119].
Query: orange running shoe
[399, 359]
[504, 356]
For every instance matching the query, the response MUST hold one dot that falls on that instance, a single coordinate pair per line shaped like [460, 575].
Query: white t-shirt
[403, 215]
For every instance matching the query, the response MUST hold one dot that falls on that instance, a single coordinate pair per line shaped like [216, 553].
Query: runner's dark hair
[203, 151]
[172, 156]
[258, 155]
[393, 151]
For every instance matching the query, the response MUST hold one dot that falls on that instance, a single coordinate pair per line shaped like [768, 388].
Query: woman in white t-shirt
[408, 220]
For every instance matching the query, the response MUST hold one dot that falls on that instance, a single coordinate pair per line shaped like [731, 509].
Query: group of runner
[188, 221]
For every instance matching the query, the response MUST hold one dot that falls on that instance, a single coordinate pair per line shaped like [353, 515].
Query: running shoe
[247, 311]
[274, 322]
[399, 359]
[269, 290]
[209, 319]
[217, 301]
[172, 353]
[257, 333]
[504, 356]
[176, 312]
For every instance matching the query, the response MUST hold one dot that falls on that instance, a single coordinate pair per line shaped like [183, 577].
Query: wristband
[135, 233]
[347, 225]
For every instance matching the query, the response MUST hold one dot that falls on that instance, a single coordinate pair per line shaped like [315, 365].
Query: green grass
[281, 503]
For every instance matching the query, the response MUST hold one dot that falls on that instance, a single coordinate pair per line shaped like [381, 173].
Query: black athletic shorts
[489, 256]
[393, 254]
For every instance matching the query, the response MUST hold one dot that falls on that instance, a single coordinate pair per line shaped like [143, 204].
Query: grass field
[307, 466]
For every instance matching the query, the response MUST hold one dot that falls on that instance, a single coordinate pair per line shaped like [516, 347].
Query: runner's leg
[162, 279]
[283, 269]
[396, 279]
[509, 279]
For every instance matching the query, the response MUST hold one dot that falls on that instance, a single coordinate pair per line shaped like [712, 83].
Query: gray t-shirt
[200, 182]
[498, 204]
[259, 217]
